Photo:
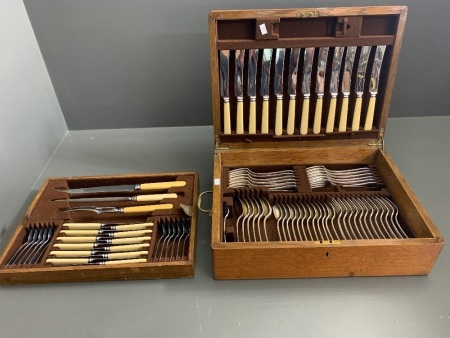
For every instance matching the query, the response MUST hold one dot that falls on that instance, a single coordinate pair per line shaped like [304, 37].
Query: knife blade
[306, 88]
[224, 58]
[334, 85]
[125, 187]
[278, 89]
[136, 198]
[265, 84]
[373, 87]
[320, 87]
[359, 85]
[292, 87]
[251, 88]
[239, 89]
[346, 85]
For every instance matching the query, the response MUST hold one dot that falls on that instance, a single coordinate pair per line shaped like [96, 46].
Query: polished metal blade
[321, 70]
[362, 66]
[307, 70]
[265, 71]
[376, 68]
[224, 57]
[293, 71]
[239, 72]
[336, 70]
[103, 189]
[348, 70]
[252, 71]
[279, 68]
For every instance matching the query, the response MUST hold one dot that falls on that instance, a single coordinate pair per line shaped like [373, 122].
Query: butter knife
[251, 88]
[224, 57]
[334, 87]
[346, 86]
[306, 88]
[278, 89]
[265, 84]
[292, 88]
[239, 89]
[359, 85]
[373, 87]
[320, 87]
[125, 187]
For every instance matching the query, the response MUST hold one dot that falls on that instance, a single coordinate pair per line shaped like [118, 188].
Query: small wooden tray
[47, 211]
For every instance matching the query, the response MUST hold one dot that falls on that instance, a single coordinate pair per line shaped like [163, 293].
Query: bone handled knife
[96, 254]
[239, 89]
[107, 226]
[292, 88]
[100, 232]
[373, 86]
[265, 84]
[126, 187]
[251, 88]
[137, 198]
[224, 59]
[92, 247]
[320, 87]
[86, 261]
[334, 87]
[306, 88]
[103, 241]
[278, 89]
[346, 86]
[359, 85]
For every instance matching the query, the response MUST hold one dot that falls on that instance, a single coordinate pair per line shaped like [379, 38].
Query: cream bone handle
[279, 116]
[291, 116]
[87, 239]
[252, 116]
[116, 234]
[146, 208]
[305, 116]
[91, 247]
[98, 226]
[265, 115]
[106, 255]
[357, 114]
[331, 115]
[226, 116]
[318, 115]
[83, 261]
[161, 185]
[370, 112]
[344, 113]
[240, 115]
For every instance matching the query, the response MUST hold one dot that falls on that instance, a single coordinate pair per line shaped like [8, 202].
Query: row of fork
[251, 225]
[282, 180]
[173, 237]
[338, 218]
[30, 252]
[319, 176]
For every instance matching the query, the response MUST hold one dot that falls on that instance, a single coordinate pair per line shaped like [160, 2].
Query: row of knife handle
[304, 124]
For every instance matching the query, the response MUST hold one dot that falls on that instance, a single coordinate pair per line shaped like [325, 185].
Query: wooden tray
[323, 241]
[47, 211]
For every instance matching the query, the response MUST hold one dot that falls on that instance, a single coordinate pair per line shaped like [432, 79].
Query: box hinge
[380, 142]
[219, 145]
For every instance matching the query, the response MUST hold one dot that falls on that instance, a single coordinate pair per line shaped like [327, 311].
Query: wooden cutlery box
[303, 186]
[149, 236]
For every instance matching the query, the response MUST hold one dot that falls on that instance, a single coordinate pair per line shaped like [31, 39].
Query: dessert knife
[97, 255]
[107, 226]
[125, 187]
[334, 85]
[320, 87]
[137, 198]
[239, 89]
[373, 86]
[100, 240]
[251, 88]
[278, 89]
[306, 88]
[99, 247]
[265, 83]
[359, 85]
[292, 88]
[80, 261]
[106, 233]
[346, 85]
[224, 57]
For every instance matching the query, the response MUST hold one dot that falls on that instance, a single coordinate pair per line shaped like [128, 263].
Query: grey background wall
[32, 124]
[136, 63]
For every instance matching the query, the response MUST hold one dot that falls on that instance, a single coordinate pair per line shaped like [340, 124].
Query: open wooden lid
[270, 115]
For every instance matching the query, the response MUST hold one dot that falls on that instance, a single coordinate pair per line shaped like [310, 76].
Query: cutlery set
[282, 72]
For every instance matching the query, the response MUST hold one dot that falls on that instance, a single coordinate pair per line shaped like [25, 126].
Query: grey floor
[203, 307]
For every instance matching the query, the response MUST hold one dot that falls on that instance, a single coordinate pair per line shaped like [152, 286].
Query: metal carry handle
[199, 203]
